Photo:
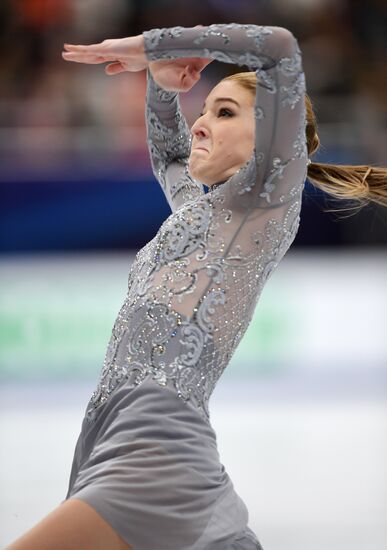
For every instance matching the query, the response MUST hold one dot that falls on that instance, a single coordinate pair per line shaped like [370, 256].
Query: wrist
[163, 95]
[138, 45]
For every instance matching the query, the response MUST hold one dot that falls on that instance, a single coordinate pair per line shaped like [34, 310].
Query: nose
[199, 129]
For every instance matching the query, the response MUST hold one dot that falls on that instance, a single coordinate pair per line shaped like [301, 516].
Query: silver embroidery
[212, 30]
[276, 172]
[294, 92]
[193, 288]
[290, 66]
[258, 33]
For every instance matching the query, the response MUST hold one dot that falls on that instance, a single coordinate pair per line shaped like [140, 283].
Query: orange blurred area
[42, 14]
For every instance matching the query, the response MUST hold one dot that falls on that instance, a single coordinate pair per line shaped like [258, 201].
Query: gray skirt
[148, 464]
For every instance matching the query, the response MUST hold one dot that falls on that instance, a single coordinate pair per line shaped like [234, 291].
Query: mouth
[199, 149]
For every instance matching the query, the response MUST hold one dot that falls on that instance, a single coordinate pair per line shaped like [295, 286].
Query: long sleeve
[279, 159]
[169, 143]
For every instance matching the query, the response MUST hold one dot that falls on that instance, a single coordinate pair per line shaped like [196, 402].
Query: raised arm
[276, 172]
[169, 143]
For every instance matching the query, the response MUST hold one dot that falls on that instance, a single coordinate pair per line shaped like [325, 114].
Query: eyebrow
[223, 99]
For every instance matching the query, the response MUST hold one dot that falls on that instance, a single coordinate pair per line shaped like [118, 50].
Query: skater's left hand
[178, 75]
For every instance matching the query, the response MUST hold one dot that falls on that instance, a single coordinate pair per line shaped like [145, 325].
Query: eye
[223, 111]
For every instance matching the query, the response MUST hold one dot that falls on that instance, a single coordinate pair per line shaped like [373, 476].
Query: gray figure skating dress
[146, 458]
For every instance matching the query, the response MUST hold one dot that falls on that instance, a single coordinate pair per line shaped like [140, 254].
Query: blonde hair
[361, 183]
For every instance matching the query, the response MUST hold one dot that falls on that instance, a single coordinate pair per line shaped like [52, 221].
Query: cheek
[248, 132]
[246, 142]
[237, 147]
[237, 141]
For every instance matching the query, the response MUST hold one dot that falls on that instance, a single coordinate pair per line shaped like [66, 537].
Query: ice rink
[300, 413]
[312, 471]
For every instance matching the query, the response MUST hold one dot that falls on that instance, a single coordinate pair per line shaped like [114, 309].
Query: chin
[197, 174]
[203, 177]
[204, 180]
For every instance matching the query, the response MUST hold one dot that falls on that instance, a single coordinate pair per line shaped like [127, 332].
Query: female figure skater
[146, 473]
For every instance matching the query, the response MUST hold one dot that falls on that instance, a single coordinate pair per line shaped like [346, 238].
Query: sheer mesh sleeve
[169, 143]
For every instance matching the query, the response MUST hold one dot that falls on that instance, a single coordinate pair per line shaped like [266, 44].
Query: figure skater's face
[223, 135]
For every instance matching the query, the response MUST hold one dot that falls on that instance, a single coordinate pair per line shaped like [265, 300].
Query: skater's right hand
[126, 54]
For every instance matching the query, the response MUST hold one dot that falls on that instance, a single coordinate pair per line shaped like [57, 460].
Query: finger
[114, 68]
[84, 47]
[189, 80]
[79, 58]
[191, 71]
[205, 62]
[86, 58]
[195, 70]
[201, 63]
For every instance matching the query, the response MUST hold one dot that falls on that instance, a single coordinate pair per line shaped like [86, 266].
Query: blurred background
[303, 400]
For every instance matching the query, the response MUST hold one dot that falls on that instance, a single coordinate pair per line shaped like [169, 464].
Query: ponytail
[359, 183]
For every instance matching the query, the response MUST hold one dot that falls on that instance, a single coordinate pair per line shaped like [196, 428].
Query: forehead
[231, 89]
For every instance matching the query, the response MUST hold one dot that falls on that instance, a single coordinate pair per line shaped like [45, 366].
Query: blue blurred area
[108, 212]
[117, 210]
[112, 211]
